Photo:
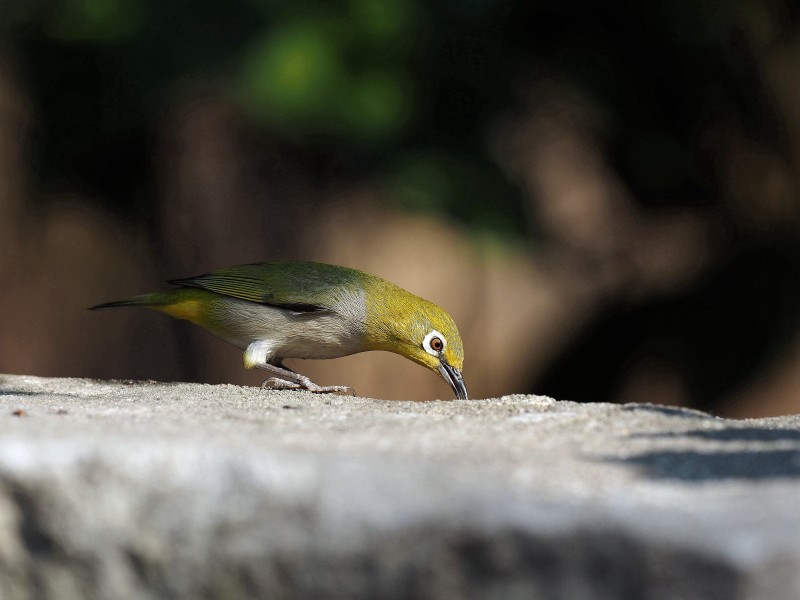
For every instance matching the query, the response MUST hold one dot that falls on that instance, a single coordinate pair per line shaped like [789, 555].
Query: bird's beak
[454, 379]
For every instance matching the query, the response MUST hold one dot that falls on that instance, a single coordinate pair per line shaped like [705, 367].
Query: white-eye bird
[278, 310]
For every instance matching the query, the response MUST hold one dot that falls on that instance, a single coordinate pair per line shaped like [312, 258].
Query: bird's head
[419, 330]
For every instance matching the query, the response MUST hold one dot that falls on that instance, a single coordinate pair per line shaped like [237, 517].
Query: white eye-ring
[434, 343]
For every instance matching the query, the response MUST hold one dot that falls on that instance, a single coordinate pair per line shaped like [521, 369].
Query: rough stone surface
[147, 490]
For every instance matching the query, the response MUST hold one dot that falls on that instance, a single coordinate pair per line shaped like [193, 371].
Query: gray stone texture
[148, 490]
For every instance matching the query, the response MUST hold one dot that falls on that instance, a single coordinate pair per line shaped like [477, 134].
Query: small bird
[279, 310]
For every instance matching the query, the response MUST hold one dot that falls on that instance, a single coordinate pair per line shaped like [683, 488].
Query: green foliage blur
[359, 80]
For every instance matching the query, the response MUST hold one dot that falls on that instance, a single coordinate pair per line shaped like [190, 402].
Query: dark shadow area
[28, 393]
[696, 466]
[31, 394]
[743, 434]
[690, 334]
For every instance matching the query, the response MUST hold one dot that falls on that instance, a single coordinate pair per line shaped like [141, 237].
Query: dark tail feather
[154, 300]
[144, 300]
[111, 305]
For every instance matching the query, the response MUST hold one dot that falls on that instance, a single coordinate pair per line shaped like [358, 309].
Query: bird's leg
[286, 379]
[259, 354]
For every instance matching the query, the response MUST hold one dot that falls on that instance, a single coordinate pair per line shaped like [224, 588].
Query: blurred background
[604, 194]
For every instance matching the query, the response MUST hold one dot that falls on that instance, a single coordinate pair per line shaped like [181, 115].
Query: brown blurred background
[604, 194]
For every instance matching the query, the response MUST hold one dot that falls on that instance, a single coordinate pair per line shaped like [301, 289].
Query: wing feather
[298, 287]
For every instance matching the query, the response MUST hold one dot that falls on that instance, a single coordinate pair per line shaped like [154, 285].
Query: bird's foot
[276, 383]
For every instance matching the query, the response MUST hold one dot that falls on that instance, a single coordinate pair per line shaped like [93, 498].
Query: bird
[285, 309]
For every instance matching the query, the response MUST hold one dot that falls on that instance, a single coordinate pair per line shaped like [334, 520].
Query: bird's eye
[434, 342]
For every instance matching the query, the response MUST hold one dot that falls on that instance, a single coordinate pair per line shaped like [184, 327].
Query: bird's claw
[276, 383]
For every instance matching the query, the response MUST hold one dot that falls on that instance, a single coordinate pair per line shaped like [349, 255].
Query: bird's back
[303, 310]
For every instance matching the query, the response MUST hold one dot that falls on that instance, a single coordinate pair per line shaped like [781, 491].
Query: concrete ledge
[150, 490]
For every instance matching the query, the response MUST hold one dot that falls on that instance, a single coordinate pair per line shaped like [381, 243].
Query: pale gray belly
[324, 334]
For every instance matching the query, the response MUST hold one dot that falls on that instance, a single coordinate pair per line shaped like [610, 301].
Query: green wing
[295, 286]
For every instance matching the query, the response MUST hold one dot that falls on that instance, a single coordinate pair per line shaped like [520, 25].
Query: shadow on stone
[743, 434]
[698, 466]
[26, 393]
